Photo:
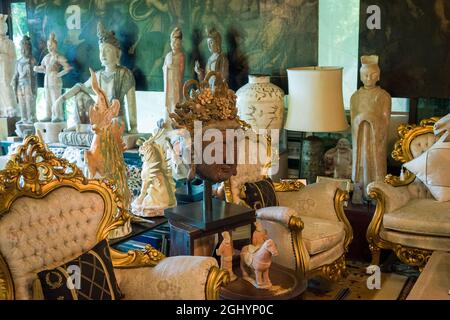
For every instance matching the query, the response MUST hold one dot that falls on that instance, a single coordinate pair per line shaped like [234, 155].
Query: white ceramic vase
[260, 103]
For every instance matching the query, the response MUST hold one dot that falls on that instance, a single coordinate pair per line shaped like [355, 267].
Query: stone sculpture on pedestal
[370, 113]
[25, 86]
[115, 80]
[173, 70]
[7, 68]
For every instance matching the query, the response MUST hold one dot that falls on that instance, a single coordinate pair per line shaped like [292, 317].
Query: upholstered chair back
[39, 234]
[49, 214]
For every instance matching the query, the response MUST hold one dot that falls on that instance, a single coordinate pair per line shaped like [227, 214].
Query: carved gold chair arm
[217, 278]
[373, 230]
[147, 257]
[287, 185]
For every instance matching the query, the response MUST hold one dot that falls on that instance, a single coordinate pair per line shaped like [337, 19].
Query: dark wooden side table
[359, 217]
[188, 224]
[285, 286]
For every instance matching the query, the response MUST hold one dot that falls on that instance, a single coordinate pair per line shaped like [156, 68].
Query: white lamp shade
[315, 102]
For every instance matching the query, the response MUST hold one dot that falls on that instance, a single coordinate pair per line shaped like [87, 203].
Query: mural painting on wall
[259, 36]
[412, 39]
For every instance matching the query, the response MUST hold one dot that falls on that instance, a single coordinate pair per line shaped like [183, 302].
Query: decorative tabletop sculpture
[258, 260]
[338, 160]
[225, 251]
[218, 61]
[158, 186]
[370, 113]
[259, 236]
[105, 157]
[51, 65]
[173, 70]
[7, 64]
[115, 80]
[25, 86]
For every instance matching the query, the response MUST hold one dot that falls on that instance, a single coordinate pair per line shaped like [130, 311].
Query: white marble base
[50, 130]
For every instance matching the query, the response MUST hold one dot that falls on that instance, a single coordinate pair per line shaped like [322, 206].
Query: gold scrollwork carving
[216, 279]
[286, 185]
[333, 271]
[413, 256]
[147, 257]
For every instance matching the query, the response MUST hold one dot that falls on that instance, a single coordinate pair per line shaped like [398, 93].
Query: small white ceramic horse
[443, 126]
[258, 260]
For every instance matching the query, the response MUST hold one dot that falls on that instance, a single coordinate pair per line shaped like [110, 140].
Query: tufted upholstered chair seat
[408, 220]
[50, 214]
[309, 226]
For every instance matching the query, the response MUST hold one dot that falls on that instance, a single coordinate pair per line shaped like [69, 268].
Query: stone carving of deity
[7, 68]
[370, 114]
[218, 61]
[55, 66]
[173, 70]
[338, 160]
[24, 83]
[115, 80]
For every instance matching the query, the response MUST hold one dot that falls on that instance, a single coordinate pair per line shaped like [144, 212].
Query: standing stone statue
[7, 68]
[370, 113]
[25, 84]
[117, 82]
[218, 61]
[173, 70]
[51, 65]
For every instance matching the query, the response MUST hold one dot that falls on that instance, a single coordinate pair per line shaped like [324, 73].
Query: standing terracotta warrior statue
[217, 62]
[370, 112]
[173, 70]
[24, 83]
[117, 82]
[51, 65]
[226, 251]
[7, 67]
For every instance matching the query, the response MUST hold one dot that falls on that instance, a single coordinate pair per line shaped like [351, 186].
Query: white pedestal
[50, 130]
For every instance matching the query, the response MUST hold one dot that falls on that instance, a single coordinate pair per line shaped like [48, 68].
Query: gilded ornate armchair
[309, 225]
[407, 219]
[50, 213]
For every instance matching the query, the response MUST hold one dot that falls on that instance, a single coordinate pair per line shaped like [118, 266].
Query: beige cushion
[432, 169]
[38, 234]
[420, 216]
[422, 143]
[326, 257]
[320, 235]
[416, 240]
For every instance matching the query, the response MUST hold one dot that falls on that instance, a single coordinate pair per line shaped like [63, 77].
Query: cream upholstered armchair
[50, 213]
[408, 220]
[309, 226]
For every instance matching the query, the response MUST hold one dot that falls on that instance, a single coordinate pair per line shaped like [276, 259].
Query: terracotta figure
[225, 251]
[51, 65]
[24, 83]
[218, 60]
[173, 70]
[117, 82]
[105, 157]
[338, 160]
[259, 235]
[258, 261]
[7, 68]
[370, 113]
[158, 186]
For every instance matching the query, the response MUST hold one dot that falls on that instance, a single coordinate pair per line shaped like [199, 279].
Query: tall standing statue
[7, 68]
[173, 70]
[117, 81]
[51, 65]
[25, 84]
[218, 61]
[370, 113]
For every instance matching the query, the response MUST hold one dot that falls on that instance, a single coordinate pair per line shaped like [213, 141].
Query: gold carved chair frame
[34, 171]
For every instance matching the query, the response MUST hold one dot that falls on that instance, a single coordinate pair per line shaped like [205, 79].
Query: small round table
[285, 286]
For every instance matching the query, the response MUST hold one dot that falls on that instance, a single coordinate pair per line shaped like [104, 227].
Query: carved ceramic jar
[261, 103]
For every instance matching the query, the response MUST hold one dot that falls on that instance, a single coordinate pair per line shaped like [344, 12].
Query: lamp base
[311, 160]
